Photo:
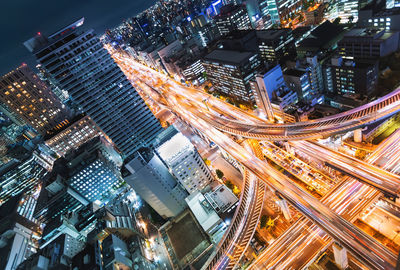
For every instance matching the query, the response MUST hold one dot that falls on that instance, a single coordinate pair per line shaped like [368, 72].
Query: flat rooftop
[272, 34]
[228, 57]
[185, 236]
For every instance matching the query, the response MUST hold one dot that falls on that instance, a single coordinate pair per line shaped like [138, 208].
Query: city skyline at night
[200, 134]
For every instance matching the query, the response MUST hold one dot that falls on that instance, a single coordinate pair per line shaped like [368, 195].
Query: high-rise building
[88, 174]
[185, 163]
[275, 44]
[17, 176]
[31, 99]
[72, 135]
[262, 99]
[78, 63]
[271, 87]
[18, 234]
[146, 173]
[230, 73]
[351, 76]
[232, 18]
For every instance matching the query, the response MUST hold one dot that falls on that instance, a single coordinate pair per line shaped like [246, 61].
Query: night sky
[22, 19]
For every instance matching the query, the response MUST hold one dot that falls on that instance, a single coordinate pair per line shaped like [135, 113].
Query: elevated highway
[234, 121]
[369, 251]
[348, 200]
[386, 182]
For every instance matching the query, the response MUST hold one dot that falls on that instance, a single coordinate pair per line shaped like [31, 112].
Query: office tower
[265, 14]
[185, 163]
[351, 76]
[61, 94]
[71, 136]
[93, 170]
[87, 174]
[368, 43]
[230, 73]
[77, 61]
[379, 17]
[276, 44]
[348, 10]
[232, 18]
[150, 178]
[31, 100]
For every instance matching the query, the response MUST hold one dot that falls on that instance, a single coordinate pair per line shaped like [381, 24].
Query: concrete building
[271, 81]
[31, 100]
[114, 254]
[150, 178]
[185, 163]
[17, 176]
[368, 43]
[77, 61]
[261, 97]
[230, 73]
[18, 234]
[275, 44]
[221, 199]
[204, 212]
[298, 80]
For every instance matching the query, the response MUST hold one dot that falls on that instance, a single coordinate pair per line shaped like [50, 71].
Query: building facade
[230, 73]
[185, 162]
[31, 99]
[150, 178]
[232, 17]
[77, 61]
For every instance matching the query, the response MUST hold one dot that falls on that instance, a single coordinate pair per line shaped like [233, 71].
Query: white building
[204, 212]
[185, 163]
[151, 180]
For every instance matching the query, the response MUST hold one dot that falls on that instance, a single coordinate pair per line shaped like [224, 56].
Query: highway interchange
[332, 215]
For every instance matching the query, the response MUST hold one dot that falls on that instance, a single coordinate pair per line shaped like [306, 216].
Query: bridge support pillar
[285, 209]
[358, 135]
[340, 254]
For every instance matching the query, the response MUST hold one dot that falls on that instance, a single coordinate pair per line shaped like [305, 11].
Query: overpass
[305, 238]
[369, 251]
[386, 182]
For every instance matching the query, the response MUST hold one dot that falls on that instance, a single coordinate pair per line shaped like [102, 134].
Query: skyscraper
[29, 99]
[79, 64]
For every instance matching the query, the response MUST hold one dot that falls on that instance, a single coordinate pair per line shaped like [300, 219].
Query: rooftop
[174, 146]
[272, 34]
[228, 57]
[295, 72]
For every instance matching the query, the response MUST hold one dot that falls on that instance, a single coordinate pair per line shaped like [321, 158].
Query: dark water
[22, 19]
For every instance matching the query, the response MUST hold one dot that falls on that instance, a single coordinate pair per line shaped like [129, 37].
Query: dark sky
[22, 19]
